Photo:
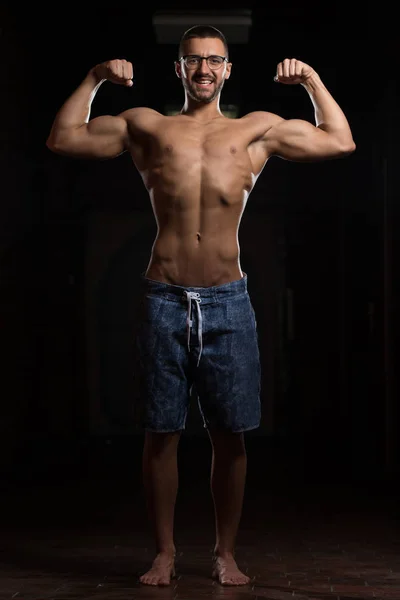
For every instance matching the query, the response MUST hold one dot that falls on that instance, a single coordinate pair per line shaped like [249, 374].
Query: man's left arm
[299, 140]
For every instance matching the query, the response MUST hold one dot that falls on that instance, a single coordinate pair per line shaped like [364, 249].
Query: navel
[198, 235]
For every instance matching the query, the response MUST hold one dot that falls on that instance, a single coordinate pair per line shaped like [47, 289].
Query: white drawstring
[195, 296]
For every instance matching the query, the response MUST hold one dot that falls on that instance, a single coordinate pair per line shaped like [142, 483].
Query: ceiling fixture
[169, 25]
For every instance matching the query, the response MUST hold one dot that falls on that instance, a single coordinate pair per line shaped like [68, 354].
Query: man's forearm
[76, 109]
[328, 114]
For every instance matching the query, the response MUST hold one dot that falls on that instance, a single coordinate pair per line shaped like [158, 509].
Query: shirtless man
[198, 326]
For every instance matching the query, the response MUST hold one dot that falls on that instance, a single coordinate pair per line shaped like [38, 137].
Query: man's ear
[228, 70]
[178, 69]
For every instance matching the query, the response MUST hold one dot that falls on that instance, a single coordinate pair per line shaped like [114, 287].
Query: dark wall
[318, 241]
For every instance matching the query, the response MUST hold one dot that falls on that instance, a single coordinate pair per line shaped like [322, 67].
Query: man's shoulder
[141, 112]
[141, 118]
[262, 116]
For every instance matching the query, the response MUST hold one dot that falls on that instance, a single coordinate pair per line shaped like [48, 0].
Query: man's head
[203, 62]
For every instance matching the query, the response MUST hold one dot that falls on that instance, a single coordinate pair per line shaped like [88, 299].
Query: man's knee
[229, 442]
[161, 442]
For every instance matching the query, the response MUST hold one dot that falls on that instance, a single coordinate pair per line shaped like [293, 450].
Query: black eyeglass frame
[224, 59]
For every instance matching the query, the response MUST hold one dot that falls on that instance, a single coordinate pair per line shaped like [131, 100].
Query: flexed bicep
[73, 133]
[299, 140]
[102, 137]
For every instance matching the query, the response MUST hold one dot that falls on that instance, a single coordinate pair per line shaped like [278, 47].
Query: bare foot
[227, 572]
[163, 568]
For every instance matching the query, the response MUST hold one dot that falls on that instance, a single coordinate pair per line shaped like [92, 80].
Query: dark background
[319, 243]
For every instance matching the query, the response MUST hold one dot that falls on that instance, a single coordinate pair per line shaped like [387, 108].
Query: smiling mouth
[203, 82]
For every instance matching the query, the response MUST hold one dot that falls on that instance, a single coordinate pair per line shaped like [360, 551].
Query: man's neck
[202, 112]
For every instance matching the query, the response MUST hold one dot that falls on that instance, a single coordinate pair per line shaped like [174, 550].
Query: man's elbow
[347, 147]
[54, 144]
[51, 145]
[60, 144]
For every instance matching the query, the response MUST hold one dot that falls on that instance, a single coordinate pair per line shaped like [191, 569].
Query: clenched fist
[292, 71]
[118, 71]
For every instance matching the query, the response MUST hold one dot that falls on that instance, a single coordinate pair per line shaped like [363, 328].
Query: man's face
[203, 83]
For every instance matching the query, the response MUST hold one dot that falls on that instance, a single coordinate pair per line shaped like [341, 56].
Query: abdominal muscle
[196, 246]
[198, 178]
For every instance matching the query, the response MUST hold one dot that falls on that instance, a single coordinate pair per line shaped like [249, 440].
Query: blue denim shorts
[201, 336]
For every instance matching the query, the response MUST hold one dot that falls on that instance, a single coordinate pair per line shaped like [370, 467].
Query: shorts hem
[233, 430]
[150, 430]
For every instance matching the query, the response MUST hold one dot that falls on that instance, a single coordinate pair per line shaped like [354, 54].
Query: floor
[81, 534]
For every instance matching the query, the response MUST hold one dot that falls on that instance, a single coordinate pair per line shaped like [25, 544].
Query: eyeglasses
[193, 61]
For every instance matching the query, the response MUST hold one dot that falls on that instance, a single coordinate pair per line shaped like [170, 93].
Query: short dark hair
[203, 31]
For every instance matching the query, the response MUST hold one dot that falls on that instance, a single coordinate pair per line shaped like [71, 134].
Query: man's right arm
[73, 133]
